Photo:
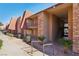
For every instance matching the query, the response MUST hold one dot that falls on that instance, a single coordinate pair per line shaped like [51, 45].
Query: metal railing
[43, 46]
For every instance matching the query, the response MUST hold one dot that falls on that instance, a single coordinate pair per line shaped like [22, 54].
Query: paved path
[16, 47]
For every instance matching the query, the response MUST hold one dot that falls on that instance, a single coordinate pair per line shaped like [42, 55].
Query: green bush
[65, 42]
[9, 34]
[1, 43]
[41, 38]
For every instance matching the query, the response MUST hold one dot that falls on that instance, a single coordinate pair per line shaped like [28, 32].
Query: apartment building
[18, 27]
[12, 26]
[51, 23]
[26, 14]
[60, 20]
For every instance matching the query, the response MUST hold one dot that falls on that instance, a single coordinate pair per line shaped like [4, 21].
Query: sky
[8, 10]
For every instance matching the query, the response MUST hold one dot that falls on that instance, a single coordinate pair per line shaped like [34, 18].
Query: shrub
[9, 34]
[68, 43]
[1, 43]
[41, 38]
[65, 42]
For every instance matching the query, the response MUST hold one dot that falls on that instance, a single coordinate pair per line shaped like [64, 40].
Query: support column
[70, 22]
[52, 26]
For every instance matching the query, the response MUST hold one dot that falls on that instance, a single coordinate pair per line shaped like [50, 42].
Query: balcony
[32, 23]
[31, 26]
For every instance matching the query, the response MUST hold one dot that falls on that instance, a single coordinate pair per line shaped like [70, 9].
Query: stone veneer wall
[76, 28]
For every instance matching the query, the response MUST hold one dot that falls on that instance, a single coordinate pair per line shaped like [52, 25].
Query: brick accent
[43, 24]
[76, 28]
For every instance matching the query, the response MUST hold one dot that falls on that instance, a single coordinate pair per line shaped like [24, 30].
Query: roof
[19, 20]
[26, 14]
[18, 24]
[12, 25]
[47, 9]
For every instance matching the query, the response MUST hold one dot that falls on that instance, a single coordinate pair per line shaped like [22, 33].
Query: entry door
[66, 30]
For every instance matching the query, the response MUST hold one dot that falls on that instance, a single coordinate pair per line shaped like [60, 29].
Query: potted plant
[41, 39]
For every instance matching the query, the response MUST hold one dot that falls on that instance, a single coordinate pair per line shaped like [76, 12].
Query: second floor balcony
[32, 25]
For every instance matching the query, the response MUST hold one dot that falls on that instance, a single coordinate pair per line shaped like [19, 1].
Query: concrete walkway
[16, 47]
